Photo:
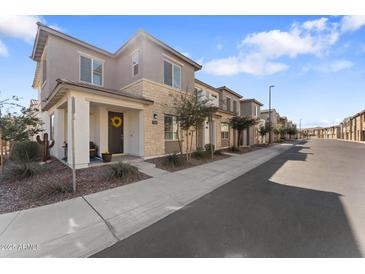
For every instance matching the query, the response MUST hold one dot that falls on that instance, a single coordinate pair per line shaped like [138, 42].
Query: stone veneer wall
[163, 97]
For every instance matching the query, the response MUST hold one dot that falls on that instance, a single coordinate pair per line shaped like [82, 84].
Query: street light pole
[270, 122]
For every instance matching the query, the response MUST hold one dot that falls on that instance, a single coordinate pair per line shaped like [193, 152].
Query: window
[44, 71]
[51, 127]
[224, 130]
[170, 128]
[235, 106]
[256, 111]
[135, 63]
[228, 102]
[172, 75]
[91, 70]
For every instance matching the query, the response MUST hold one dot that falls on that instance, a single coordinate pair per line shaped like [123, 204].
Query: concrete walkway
[83, 226]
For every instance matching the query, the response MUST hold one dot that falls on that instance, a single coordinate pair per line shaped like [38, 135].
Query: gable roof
[206, 85]
[44, 30]
[251, 100]
[63, 84]
[230, 91]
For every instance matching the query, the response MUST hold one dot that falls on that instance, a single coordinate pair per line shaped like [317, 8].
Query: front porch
[85, 127]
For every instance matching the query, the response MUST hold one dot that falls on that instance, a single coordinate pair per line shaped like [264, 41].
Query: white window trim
[172, 74]
[173, 60]
[133, 53]
[177, 124]
[92, 69]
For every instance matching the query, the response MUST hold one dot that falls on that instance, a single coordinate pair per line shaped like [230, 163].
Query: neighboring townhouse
[122, 101]
[210, 132]
[333, 132]
[274, 122]
[229, 103]
[312, 132]
[283, 123]
[252, 108]
[358, 122]
[346, 126]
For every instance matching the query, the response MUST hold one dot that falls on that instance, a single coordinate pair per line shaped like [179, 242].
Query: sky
[315, 62]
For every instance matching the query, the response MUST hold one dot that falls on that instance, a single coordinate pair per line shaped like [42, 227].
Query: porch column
[79, 115]
[59, 133]
[141, 133]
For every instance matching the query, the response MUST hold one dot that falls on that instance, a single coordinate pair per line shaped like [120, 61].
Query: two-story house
[274, 121]
[229, 103]
[251, 108]
[120, 101]
[218, 131]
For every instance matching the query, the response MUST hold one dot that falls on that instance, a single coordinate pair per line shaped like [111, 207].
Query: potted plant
[106, 156]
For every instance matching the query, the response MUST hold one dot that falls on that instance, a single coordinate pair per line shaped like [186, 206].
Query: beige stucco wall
[153, 63]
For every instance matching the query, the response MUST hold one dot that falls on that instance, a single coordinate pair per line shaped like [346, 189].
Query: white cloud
[219, 46]
[329, 67]
[258, 52]
[3, 49]
[352, 22]
[319, 24]
[251, 64]
[22, 27]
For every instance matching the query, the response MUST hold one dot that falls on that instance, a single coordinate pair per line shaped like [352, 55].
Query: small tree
[283, 131]
[292, 131]
[241, 123]
[16, 126]
[191, 112]
[263, 130]
[22, 126]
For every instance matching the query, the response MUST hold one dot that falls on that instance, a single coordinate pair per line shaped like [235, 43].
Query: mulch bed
[240, 150]
[163, 163]
[44, 188]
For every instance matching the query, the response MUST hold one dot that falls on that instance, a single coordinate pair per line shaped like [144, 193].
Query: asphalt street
[307, 202]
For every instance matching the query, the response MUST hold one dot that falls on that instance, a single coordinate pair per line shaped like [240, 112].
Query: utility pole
[270, 122]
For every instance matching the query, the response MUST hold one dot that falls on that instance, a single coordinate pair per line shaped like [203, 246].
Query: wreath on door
[116, 121]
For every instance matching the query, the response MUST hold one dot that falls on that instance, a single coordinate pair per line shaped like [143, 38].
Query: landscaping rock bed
[163, 162]
[53, 184]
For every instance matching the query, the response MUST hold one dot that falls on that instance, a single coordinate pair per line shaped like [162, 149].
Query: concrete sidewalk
[83, 226]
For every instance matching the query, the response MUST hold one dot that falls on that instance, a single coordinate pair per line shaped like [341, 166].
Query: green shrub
[173, 160]
[26, 151]
[21, 170]
[199, 153]
[123, 171]
[208, 148]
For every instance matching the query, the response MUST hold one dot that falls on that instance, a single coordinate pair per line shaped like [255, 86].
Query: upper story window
[44, 71]
[235, 106]
[256, 111]
[172, 74]
[228, 102]
[91, 70]
[135, 63]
